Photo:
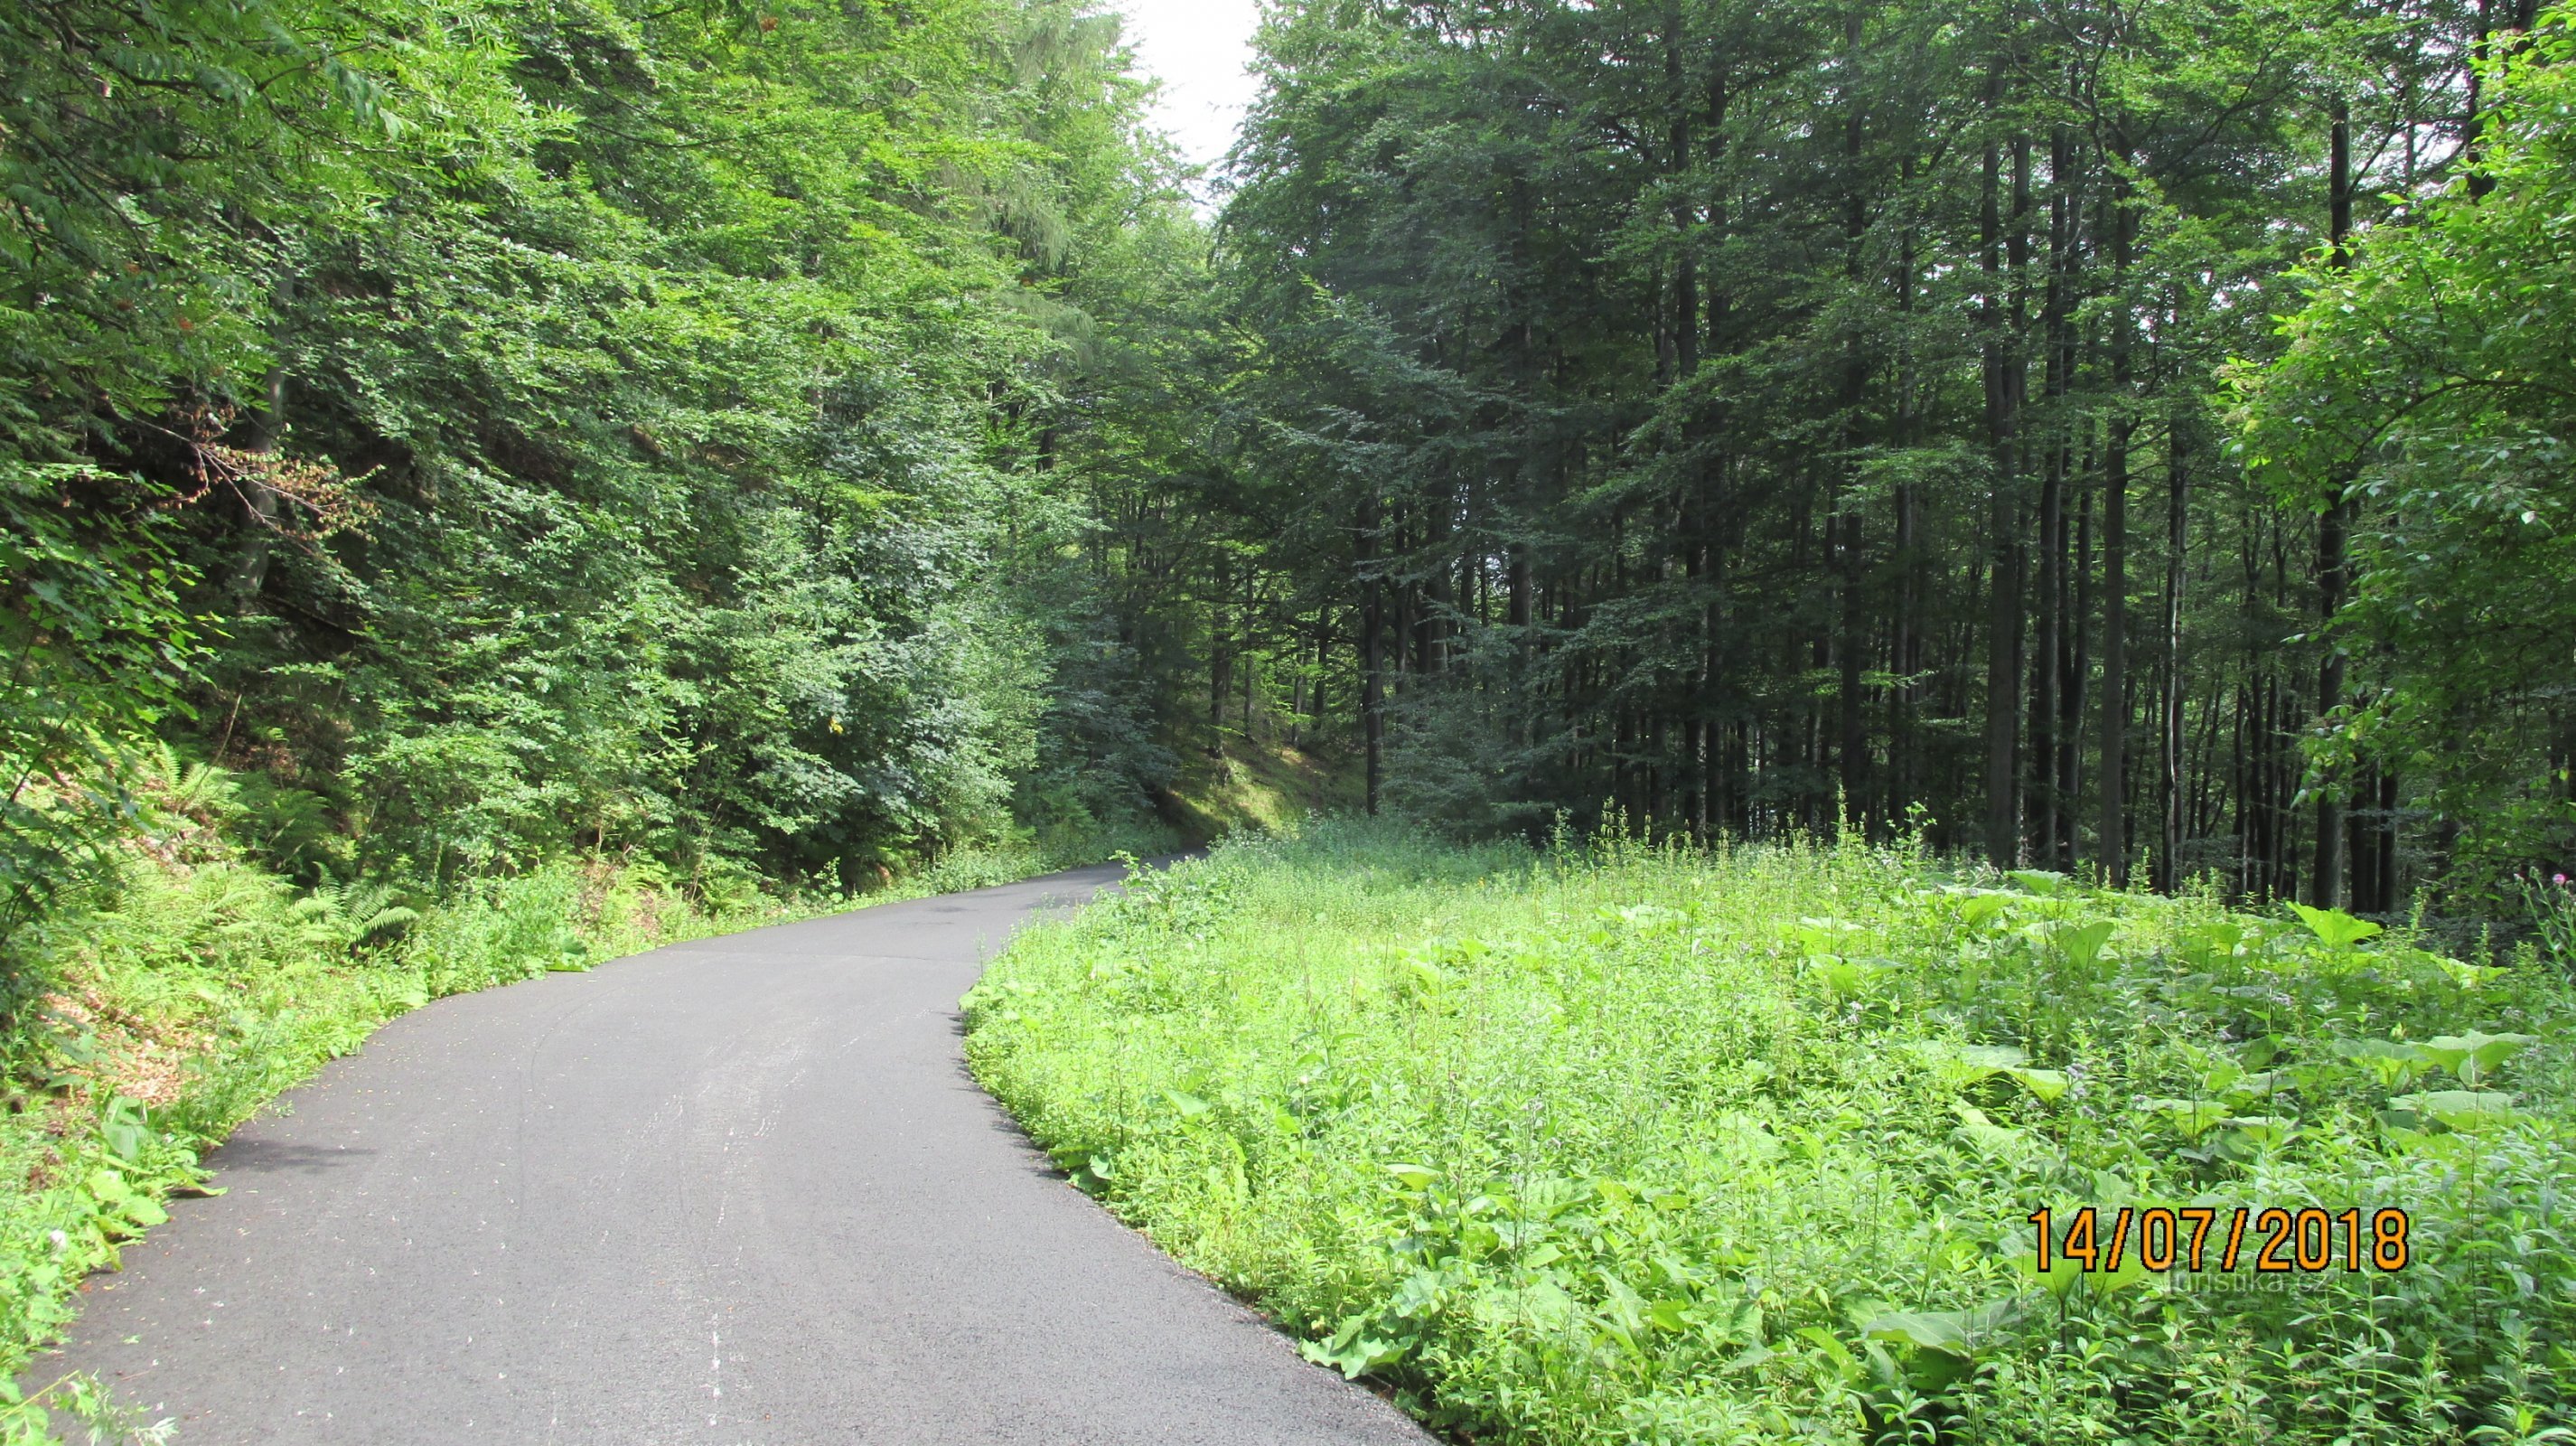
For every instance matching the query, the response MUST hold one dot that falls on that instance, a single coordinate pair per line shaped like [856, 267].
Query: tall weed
[1625, 1144]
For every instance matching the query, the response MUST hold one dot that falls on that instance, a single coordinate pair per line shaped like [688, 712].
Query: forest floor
[738, 1189]
[1635, 1145]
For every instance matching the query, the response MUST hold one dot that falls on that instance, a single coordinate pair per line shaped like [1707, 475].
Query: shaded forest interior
[1762, 417]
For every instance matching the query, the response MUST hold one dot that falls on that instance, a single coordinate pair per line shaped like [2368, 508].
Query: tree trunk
[2003, 388]
[2332, 525]
[2169, 874]
[2113, 842]
[1372, 661]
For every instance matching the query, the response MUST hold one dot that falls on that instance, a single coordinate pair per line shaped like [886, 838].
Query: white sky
[1199, 49]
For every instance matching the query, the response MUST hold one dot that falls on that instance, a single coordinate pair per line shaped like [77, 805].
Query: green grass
[1669, 1147]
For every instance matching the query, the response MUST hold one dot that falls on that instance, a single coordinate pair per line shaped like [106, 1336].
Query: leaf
[1846, 1365]
[1413, 1177]
[2473, 1054]
[2060, 1277]
[1352, 1350]
[1978, 908]
[2390, 1062]
[2193, 1117]
[2259, 1132]
[2083, 946]
[2333, 927]
[2132, 1272]
[123, 1128]
[2469, 976]
[1944, 1331]
[2461, 1109]
[2050, 1085]
[1989, 1137]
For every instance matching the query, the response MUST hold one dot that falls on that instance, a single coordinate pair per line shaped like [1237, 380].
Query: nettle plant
[2119, 1052]
[1672, 1147]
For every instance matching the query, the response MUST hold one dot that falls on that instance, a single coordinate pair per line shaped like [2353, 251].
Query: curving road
[731, 1192]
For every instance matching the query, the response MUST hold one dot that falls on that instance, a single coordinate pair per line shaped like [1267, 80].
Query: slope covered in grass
[1642, 1146]
[1259, 785]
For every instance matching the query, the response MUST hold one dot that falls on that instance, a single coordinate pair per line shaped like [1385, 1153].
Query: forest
[2087, 434]
[2107, 439]
[489, 486]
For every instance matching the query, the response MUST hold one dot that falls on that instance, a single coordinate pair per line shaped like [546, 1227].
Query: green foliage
[96, 653]
[2433, 378]
[1767, 417]
[1654, 1145]
[2551, 906]
[611, 430]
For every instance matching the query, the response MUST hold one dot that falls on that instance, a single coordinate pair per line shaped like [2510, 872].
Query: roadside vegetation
[1626, 1144]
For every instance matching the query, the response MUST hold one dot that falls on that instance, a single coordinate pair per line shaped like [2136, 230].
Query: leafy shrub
[1661, 1146]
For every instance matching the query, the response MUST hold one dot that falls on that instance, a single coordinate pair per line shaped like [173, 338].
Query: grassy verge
[198, 987]
[1642, 1146]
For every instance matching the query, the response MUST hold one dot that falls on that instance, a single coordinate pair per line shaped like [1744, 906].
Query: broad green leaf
[2475, 1054]
[2461, 1109]
[1945, 1331]
[2048, 1084]
[2335, 928]
[2083, 945]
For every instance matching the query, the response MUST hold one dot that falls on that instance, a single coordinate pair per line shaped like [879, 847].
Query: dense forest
[791, 442]
[494, 432]
[1787, 416]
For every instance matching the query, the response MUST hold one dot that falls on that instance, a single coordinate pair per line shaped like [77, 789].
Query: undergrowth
[1632, 1145]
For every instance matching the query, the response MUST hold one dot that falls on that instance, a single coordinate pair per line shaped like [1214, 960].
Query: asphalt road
[736, 1191]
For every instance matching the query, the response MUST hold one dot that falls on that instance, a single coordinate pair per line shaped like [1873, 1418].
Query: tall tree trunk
[1852, 743]
[2169, 874]
[2003, 388]
[1372, 659]
[2332, 526]
[2113, 843]
[1905, 644]
[2053, 682]
[1220, 663]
